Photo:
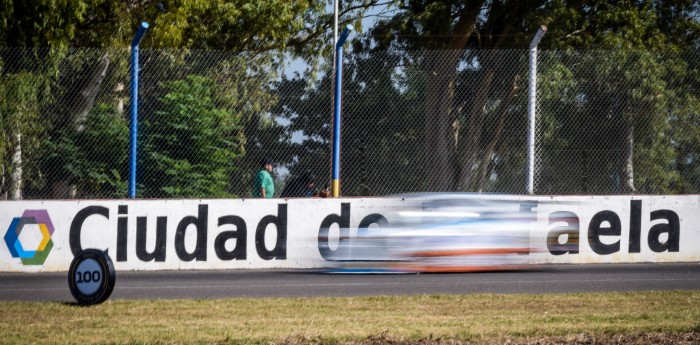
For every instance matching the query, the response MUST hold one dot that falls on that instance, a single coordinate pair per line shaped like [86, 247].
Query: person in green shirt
[264, 186]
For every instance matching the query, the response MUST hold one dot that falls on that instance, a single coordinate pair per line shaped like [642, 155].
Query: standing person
[264, 186]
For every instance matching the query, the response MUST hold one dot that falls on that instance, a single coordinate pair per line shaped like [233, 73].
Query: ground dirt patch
[692, 338]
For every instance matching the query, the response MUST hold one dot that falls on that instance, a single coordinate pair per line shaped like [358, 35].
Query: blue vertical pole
[335, 173]
[135, 105]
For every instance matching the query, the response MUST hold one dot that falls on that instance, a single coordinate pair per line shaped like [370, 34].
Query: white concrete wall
[208, 234]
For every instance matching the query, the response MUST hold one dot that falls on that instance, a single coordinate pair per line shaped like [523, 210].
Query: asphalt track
[293, 283]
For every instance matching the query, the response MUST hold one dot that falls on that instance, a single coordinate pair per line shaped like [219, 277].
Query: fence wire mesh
[608, 122]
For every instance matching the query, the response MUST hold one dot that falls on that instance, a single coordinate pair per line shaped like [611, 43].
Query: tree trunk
[86, 99]
[441, 74]
[470, 137]
[15, 192]
[628, 167]
[488, 151]
[468, 144]
[439, 149]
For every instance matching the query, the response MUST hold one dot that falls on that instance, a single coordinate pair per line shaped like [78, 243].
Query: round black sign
[91, 277]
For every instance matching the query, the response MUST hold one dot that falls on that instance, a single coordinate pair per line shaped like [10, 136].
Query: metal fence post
[134, 105]
[531, 109]
[335, 183]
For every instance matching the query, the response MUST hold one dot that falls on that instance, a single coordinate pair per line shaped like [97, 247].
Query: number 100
[88, 277]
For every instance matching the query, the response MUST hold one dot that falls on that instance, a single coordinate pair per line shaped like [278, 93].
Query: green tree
[91, 162]
[380, 127]
[191, 143]
[453, 32]
[252, 34]
[636, 89]
[20, 131]
[460, 101]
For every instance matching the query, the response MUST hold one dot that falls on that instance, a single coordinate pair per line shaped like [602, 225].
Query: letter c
[76, 226]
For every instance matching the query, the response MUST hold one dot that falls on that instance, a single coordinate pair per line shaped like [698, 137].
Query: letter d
[200, 222]
[343, 221]
[279, 252]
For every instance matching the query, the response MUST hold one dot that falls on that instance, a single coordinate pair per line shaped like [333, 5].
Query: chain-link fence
[608, 122]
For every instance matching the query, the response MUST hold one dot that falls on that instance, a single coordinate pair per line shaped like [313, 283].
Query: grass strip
[479, 318]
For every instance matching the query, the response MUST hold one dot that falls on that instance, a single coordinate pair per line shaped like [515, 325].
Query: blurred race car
[446, 233]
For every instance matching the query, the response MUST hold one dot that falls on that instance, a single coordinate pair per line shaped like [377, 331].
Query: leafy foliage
[94, 160]
[191, 142]
[20, 129]
[248, 32]
[440, 85]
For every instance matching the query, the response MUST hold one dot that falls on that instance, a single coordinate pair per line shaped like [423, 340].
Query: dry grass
[601, 318]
